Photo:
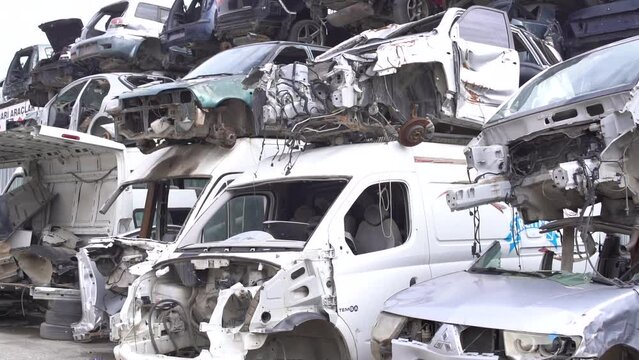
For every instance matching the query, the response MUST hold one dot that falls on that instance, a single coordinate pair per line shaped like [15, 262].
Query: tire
[67, 308]
[307, 31]
[411, 10]
[55, 318]
[55, 332]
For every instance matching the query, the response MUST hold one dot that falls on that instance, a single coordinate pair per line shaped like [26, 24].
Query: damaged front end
[491, 312]
[227, 306]
[403, 82]
[561, 143]
[54, 73]
[106, 269]
[183, 112]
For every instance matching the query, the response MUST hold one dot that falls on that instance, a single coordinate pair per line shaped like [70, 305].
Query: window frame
[407, 209]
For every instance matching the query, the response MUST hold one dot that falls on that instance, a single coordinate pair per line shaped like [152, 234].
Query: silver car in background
[124, 36]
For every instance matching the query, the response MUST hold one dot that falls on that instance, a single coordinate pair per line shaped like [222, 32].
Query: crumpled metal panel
[20, 205]
[601, 315]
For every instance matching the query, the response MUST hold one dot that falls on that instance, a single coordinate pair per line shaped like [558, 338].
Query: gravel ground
[20, 342]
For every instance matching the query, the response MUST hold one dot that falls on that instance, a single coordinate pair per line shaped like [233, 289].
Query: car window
[240, 214]
[485, 26]
[151, 12]
[522, 50]
[289, 55]
[238, 61]
[61, 109]
[15, 183]
[91, 101]
[379, 218]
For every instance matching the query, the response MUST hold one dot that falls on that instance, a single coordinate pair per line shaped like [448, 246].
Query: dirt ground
[22, 342]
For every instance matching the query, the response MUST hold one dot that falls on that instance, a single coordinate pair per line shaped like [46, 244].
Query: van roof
[350, 160]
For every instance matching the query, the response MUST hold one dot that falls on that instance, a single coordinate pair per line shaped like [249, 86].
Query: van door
[380, 249]
[486, 61]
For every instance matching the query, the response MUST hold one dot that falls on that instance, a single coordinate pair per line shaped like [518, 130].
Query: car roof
[346, 161]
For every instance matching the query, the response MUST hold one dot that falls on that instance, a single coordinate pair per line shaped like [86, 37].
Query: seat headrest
[373, 215]
[304, 213]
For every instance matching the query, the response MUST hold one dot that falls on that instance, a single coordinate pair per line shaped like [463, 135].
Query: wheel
[55, 332]
[56, 318]
[307, 31]
[410, 10]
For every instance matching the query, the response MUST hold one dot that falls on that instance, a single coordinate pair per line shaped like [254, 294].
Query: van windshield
[262, 215]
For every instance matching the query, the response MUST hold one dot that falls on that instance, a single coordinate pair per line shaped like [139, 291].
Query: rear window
[152, 12]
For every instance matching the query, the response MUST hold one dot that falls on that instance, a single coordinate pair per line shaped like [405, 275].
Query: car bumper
[128, 351]
[107, 46]
[414, 350]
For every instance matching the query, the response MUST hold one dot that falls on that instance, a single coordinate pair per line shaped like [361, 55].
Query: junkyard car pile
[286, 200]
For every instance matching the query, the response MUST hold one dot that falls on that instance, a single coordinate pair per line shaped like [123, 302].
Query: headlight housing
[387, 327]
[527, 346]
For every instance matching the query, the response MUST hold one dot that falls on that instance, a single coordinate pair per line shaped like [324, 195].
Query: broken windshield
[283, 211]
[237, 61]
[490, 263]
[607, 70]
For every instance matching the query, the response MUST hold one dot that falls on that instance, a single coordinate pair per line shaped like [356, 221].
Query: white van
[167, 185]
[297, 256]
[50, 207]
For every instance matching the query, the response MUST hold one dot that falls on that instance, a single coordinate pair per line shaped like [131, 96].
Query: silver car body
[128, 25]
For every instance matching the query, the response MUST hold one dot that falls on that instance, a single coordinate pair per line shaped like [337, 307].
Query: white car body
[102, 293]
[81, 105]
[321, 285]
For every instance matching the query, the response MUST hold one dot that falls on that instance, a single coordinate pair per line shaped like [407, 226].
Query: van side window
[240, 214]
[379, 218]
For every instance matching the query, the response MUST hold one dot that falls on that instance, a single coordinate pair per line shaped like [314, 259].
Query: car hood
[209, 91]
[62, 32]
[514, 303]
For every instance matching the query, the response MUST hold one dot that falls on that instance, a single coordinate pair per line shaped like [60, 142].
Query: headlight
[387, 327]
[113, 106]
[526, 346]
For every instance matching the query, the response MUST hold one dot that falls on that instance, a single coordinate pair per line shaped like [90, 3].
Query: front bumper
[414, 350]
[123, 47]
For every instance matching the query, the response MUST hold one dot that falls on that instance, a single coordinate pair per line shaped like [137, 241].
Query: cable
[93, 181]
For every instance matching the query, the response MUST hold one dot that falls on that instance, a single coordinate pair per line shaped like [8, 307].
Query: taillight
[117, 22]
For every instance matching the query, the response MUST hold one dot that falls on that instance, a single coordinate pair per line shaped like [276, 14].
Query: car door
[380, 249]
[90, 103]
[62, 110]
[487, 65]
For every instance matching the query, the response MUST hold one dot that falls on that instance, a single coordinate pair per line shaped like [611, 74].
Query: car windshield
[285, 210]
[237, 61]
[490, 263]
[590, 75]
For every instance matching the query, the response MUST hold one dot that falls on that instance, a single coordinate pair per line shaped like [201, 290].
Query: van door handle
[413, 281]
